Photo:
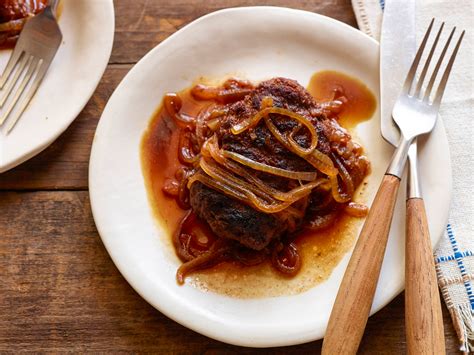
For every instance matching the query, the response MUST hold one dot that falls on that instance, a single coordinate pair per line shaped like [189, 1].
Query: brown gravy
[320, 251]
[361, 103]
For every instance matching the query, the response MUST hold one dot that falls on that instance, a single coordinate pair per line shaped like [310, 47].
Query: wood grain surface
[59, 290]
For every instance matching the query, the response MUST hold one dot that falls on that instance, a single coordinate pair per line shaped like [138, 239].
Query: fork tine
[26, 79]
[414, 66]
[447, 71]
[10, 66]
[438, 65]
[43, 68]
[427, 63]
[11, 83]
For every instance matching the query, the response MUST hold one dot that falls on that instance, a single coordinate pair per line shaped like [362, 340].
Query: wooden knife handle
[354, 298]
[423, 317]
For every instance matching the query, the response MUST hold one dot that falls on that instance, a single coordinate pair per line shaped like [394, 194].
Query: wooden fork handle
[424, 320]
[354, 298]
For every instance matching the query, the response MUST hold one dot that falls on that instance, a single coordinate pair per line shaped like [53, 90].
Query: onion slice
[203, 92]
[211, 149]
[253, 121]
[317, 159]
[346, 179]
[208, 258]
[355, 209]
[173, 104]
[286, 259]
[240, 190]
[297, 175]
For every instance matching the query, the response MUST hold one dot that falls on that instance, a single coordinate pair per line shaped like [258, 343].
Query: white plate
[88, 33]
[256, 43]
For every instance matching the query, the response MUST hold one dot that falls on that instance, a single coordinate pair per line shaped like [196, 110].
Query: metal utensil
[423, 317]
[36, 47]
[415, 113]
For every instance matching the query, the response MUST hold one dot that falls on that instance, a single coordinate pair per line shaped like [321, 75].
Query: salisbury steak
[233, 219]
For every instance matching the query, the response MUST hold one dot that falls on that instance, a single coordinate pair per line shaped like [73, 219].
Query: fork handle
[354, 298]
[424, 320]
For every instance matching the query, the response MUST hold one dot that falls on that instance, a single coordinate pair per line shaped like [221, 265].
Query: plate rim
[122, 268]
[33, 151]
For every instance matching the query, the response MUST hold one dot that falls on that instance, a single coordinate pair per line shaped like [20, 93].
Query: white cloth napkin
[454, 256]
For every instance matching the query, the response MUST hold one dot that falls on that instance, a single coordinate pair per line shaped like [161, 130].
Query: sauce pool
[361, 103]
[320, 251]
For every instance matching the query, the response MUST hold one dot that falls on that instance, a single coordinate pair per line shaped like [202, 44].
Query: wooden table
[59, 290]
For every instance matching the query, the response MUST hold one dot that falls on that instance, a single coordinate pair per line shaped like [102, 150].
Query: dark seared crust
[231, 219]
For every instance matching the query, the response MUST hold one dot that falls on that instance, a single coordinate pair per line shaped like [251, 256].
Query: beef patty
[229, 218]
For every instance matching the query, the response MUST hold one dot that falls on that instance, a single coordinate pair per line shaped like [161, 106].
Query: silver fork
[415, 113]
[35, 50]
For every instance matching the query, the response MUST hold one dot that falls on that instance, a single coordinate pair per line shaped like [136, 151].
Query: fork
[35, 50]
[415, 113]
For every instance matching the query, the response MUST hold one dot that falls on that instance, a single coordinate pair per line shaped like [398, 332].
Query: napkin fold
[454, 255]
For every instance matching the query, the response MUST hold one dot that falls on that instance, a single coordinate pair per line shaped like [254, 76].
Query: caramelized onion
[295, 194]
[252, 195]
[171, 187]
[185, 152]
[224, 176]
[211, 149]
[13, 25]
[286, 259]
[190, 246]
[183, 191]
[297, 175]
[322, 162]
[317, 159]
[346, 177]
[179, 243]
[332, 108]
[201, 126]
[239, 190]
[224, 95]
[268, 207]
[206, 259]
[253, 121]
[233, 83]
[173, 104]
[258, 194]
[213, 184]
[183, 196]
[356, 209]
[214, 124]
[342, 197]
[195, 246]
[336, 193]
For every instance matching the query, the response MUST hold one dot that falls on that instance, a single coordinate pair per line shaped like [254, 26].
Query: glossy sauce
[320, 251]
[160, 159]
[361, 103]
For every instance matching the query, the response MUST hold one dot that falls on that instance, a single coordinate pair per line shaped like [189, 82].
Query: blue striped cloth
[454, 255]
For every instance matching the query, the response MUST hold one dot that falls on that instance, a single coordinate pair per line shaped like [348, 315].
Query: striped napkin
[454, 255]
